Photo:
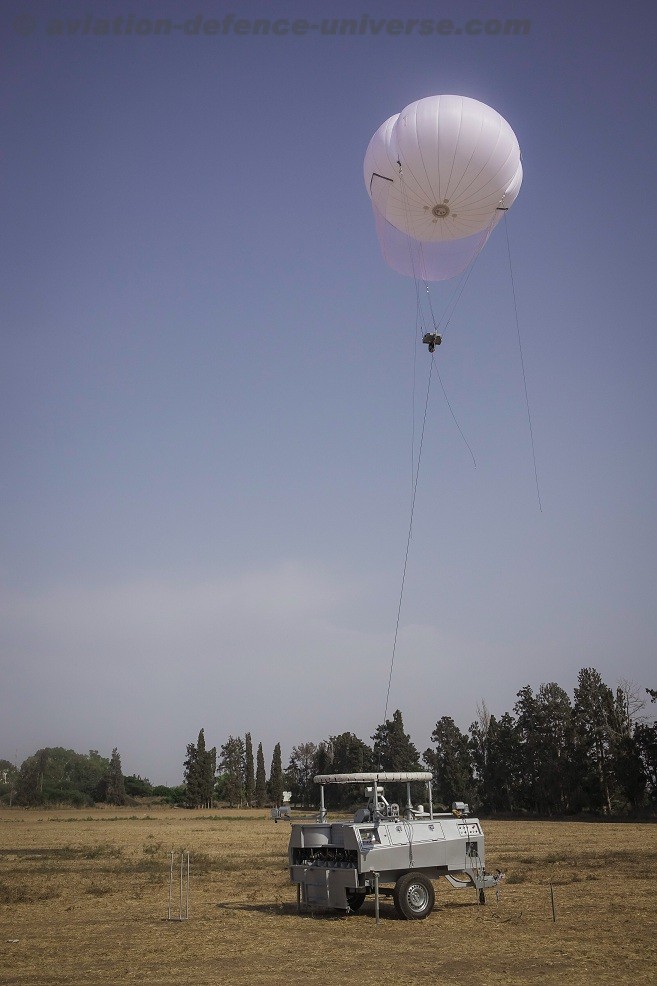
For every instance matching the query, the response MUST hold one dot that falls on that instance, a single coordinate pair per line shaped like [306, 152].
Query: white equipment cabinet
[386, 849]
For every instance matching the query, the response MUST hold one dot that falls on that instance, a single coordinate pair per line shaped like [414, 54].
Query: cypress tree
[249, 773]
[276, 781]
[260, 779]
[209, 771]
[199, 773]
[115, 785]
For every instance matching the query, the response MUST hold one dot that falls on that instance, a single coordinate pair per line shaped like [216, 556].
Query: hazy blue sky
[208, 378]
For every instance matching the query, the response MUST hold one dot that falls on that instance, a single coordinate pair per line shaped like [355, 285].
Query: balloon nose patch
[440, 211]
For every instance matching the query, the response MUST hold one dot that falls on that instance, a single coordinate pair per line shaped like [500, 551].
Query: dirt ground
[84, 896]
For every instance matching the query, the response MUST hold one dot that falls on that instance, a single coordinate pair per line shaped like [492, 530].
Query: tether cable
[522, 364]
[454, 419]
[408, 540]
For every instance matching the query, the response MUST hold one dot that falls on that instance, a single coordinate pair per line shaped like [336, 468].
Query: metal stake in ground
[183, 904]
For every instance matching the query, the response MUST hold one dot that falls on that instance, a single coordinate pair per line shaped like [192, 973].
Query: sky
[212, 386]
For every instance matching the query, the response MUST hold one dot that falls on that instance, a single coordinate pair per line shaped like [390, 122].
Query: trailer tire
[414, 896]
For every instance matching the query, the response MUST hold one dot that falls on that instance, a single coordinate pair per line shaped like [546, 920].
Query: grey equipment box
[386, 850]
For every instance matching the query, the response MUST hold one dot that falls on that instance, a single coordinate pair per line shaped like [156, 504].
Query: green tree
[200, 767]
[596, 722]
[527, 726]
[558, 756]
[496, 751]
[324, 756]
[276, 779]
[550, 761]
[113, 782]
[393, 748]
[56, 775]
[31, 777]
[249, 782]
[345, 753]
[8, 781]
[630, 770]
[172, 795]
[646, 739]
[260, 779]
[233, 769]
[137, 786]
[192, 777]
[7, 770]
[451, 763]
[209, 777]
[300, 771]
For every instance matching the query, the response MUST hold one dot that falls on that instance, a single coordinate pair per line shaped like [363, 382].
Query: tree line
[241, 781]
[54, 775]
[551, 755]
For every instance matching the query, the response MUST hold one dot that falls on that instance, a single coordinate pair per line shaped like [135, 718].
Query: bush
[138, 787]
[172, 795]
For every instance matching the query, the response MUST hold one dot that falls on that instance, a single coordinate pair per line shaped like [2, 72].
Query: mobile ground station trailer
[386, 850]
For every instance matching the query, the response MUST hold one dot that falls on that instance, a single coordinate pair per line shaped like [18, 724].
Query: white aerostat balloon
[440, 175]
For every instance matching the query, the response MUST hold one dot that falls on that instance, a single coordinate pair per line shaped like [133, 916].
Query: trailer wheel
[356, 899]
[414, 896]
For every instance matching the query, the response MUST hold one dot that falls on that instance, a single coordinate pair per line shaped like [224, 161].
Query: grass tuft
[16, 893]
[98, 889]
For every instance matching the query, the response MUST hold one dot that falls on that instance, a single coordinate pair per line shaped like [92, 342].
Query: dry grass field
[83, 899]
